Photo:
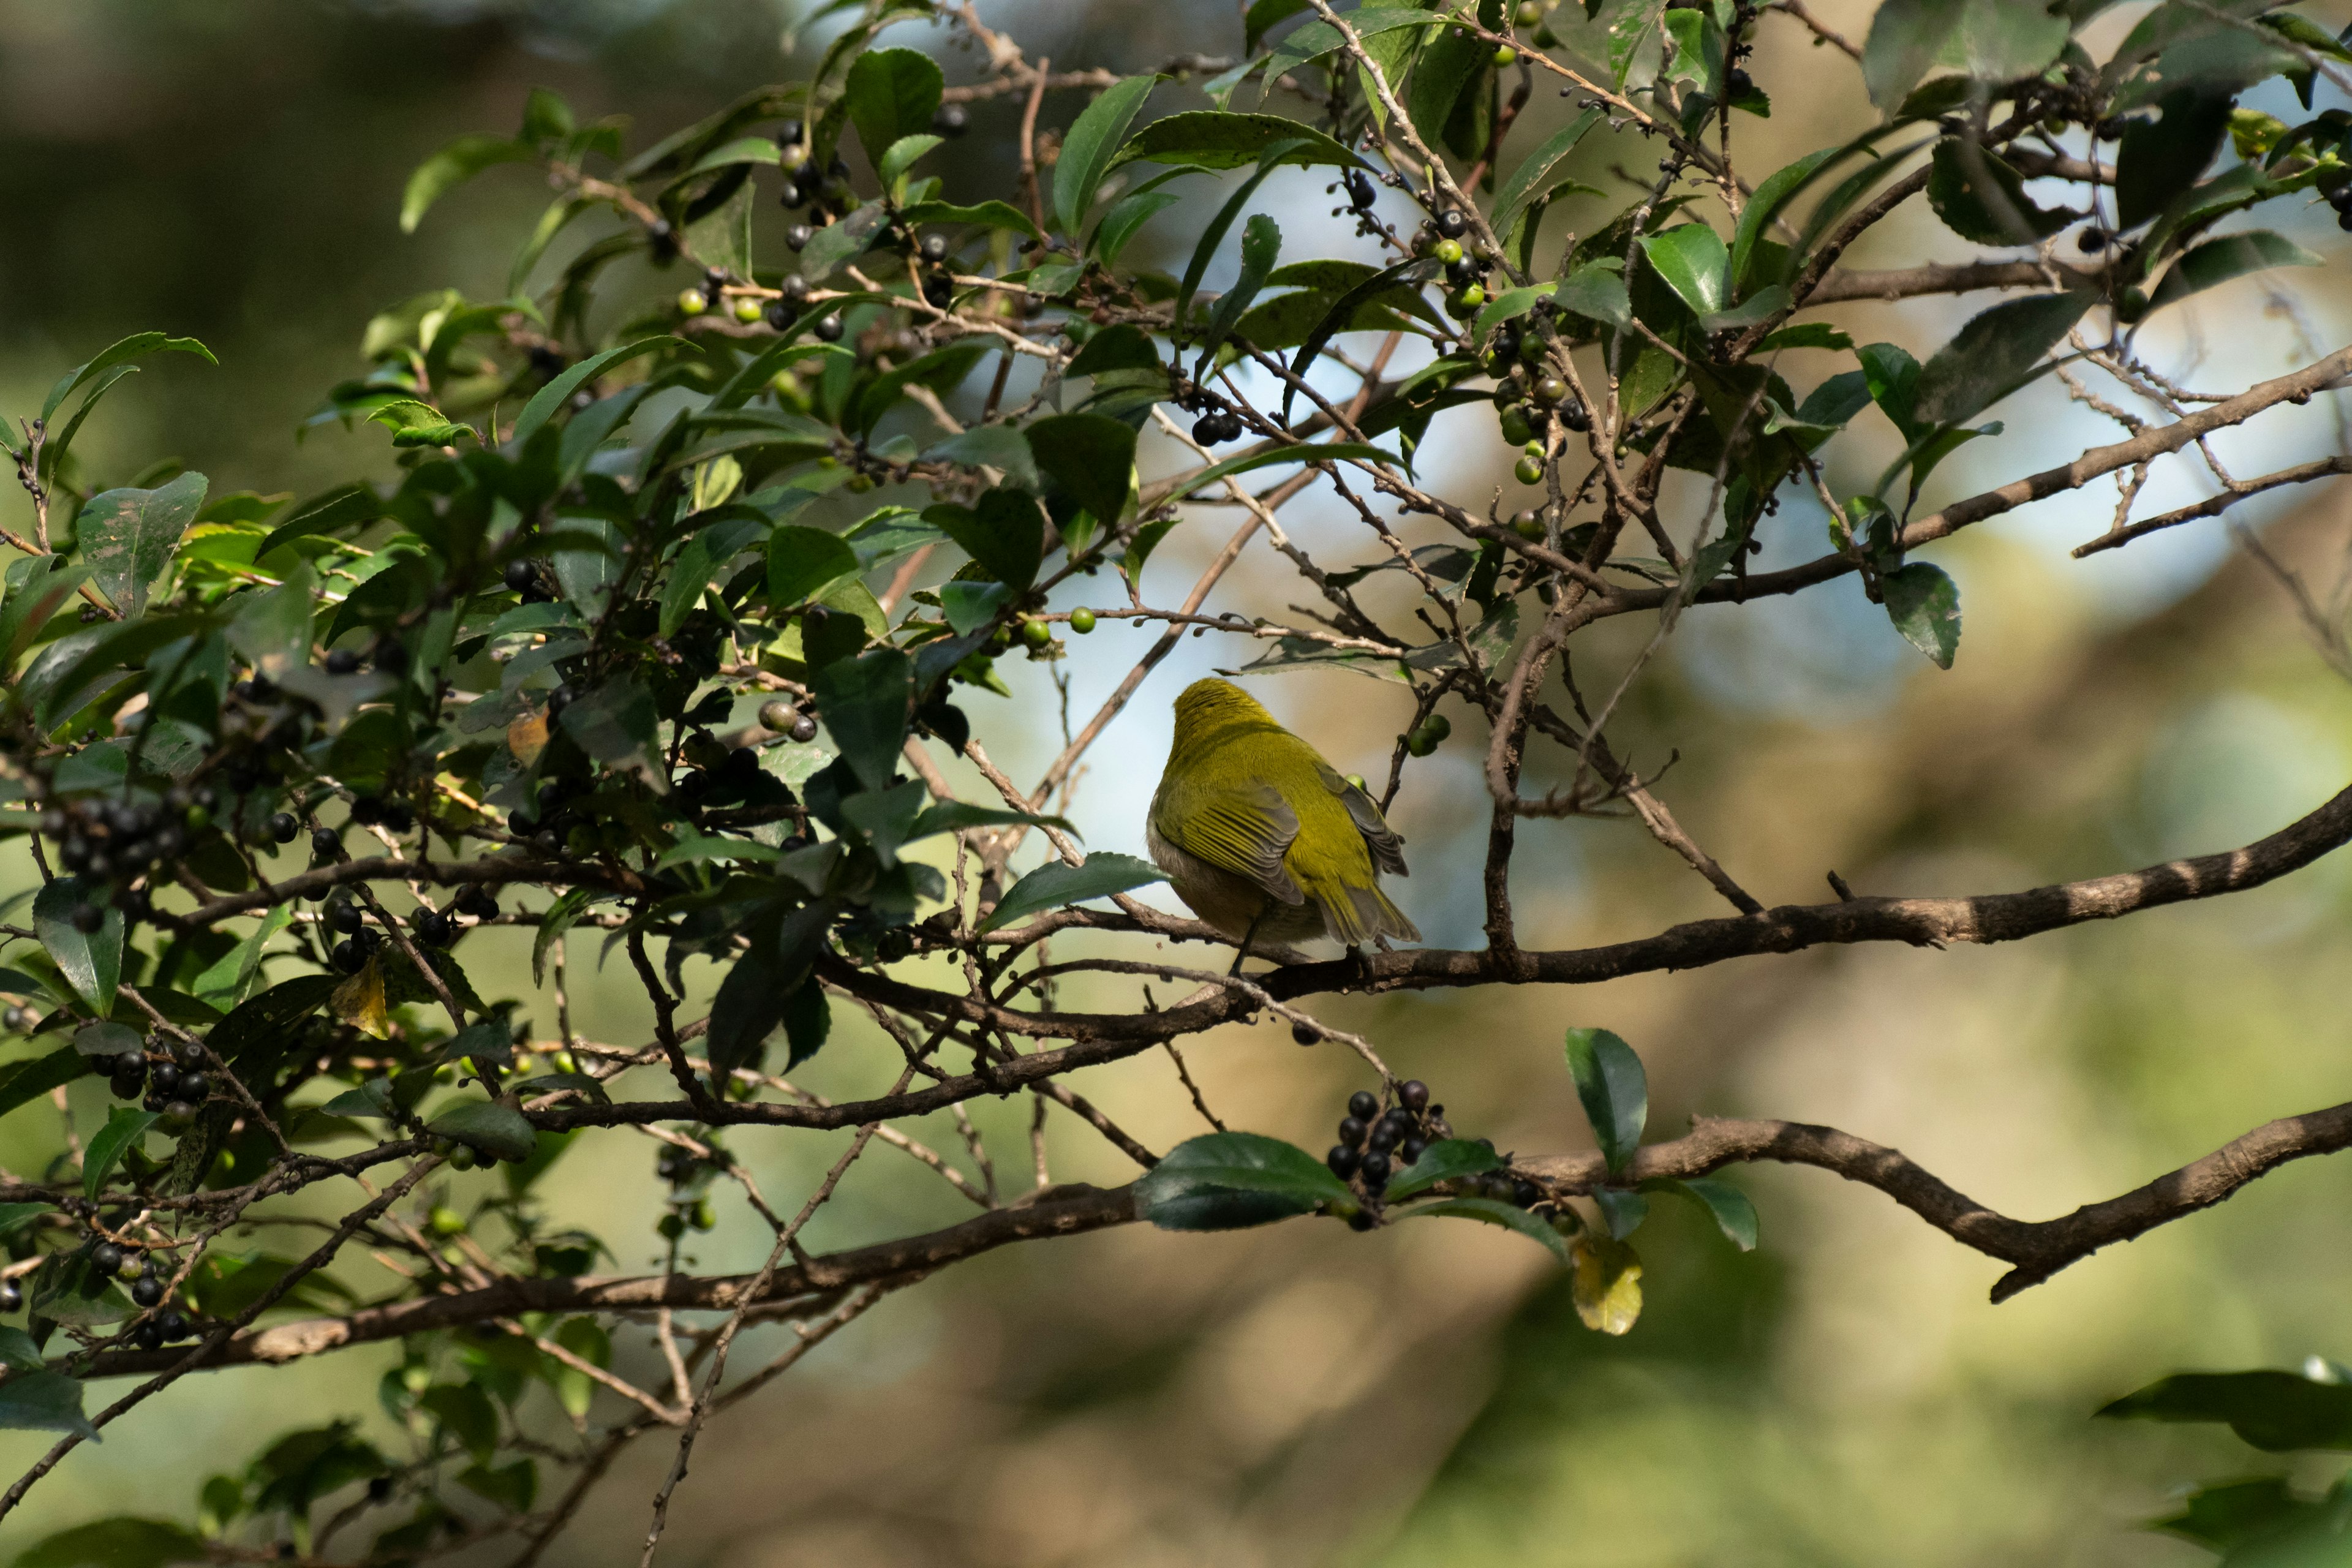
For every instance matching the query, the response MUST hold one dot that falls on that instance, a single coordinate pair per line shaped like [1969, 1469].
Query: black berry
[147, 1289]
[1303, 1034]
[1352, 1131]
[1343, 1161]
[283, 827]
[342, 662]
[1362, 1106]
[106, 1258]
[1374, 1170]
[950, 119]
[522, 576]
[324, 842]
[1413, 1094]
[1452, 223]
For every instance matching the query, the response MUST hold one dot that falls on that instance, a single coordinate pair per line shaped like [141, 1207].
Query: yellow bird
[1262, 837]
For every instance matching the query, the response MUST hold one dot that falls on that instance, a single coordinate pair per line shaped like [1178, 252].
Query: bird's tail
[1353, 916]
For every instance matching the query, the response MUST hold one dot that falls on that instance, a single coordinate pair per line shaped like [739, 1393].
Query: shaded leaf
[48, 1402]
[1058, 883]
[1613, 1090]
[1494, 1210]
[1227, 1181]
[92, 962]
[2217, 261]
[2278, 1412]
[128, 537]
[487, 1125]
[122, 1133]
[1997, 352]
[453, 165]
[1090, 456]
[1091, 144]
[1442, 1162]
[1924, 605]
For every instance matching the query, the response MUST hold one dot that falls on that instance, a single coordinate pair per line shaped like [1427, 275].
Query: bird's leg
[1252, 932]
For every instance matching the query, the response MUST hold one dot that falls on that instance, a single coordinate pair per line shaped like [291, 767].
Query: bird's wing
[1246, 832]
[1386, 846]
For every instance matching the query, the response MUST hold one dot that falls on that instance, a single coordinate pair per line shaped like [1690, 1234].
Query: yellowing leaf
[1607, 1284]
[359, 1001]
[527, 737]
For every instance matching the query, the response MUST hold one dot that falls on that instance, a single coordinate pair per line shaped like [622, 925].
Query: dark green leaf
[1725, 1203]
[487, 1125]
[1000, 447]
[14, 1217]
[452, 166]
[2161, 158]
[1229, 1180]
[558, 392]
[1330, 452]
[21, 1082]
[1442, 1162]
[2220, 1517]
[803, 560]
[2278, 1412]
[2232, 256]
[128, 537]
[761, 987]
[1494, 1210]
[1261, 248]
[1091, 145]
[91, 963]
[1533, 174]
[617, 725]
[864, 703]
[1614, 1092]
[1924, 605]
[988, 215]
[48, 1402]
[121, 1132]
[19, 1352]
[891, 93]
[567, 908]
[123, 352]
[1056, 883]
[1006, 535]
[1212, 139]
[1983, 199]
[1997, 353]
[465, 1411]
[1090, 456]
[1695, 264]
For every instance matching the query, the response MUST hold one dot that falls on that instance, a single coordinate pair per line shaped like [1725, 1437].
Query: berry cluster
[116, 842]
[687, 1174]
[782, 719]
[174, 1084]
[110, 1260]
[1374, 1145]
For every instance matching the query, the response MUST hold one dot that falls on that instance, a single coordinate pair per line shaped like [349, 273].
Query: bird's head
[1209, 706]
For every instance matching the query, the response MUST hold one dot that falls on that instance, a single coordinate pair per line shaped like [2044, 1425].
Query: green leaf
[106, 1039]
[969, 606]
[988, 215]
[1779, 188]
[558, 392]
[128, 537]
[2161, 158]
[1997, 353]
[465, 1411]
[902, 157]
[803, 560]
[91, 963]
[1598, 294]
[1614, 1092]
[700, 561]
[864, 703]
[1000, 446]
[1330, 452]
[338, 507]
[2232, 256]
[1213, 139]
[1509, 305]
[21, 1082]
[1006, 532]
[453, 166]
[617, 725]
[14, 1217]
[762, 985]
[123, 352]
[1091, 145]
[511, 1486]
[1992, 40]
[1983, 199]
[1227, 1181]
[19, 1351]
[1924, 605]
[891, 93]
[1261, 248]
[121, 1132]
[1533, 174]
[2278, 1412]
[1442, 1162]
[1210, 241]
[487, 1125]
[30, 607]
[225, 983]
[1056, 883]
[1729, 1208]
[956, 816]
[1494, 1210]
[1695, 264]
[48, 1402]
[1090, 456]
[560, 915]
[1125, 218]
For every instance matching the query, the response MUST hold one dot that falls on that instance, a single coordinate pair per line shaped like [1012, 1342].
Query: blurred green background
[1424, 1395]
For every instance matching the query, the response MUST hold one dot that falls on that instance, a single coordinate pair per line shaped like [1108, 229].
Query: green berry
[1036, 634]
[1474, 296]
[690, 303]
[198, 819]
[1529, 13]
[1514, 426]
[703, 1217]
[747, 310]
[1449, 251]
[1082, 620]
[1506, 55]
[1533, 447]
[445, 1221]
[1527, 524]
[1550, 389]
[1530, 470]
[671, 1227]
